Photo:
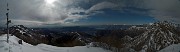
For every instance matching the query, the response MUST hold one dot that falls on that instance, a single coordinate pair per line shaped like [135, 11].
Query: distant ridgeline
[151, 38]
[148, 37]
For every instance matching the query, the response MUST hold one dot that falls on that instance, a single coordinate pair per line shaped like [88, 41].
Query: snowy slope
[13, 46]
[171, 48]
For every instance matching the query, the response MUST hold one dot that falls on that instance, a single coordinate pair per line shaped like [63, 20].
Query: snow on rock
[14, 46]
[158, 36]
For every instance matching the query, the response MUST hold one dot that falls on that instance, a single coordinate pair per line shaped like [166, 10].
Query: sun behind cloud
[50, 1]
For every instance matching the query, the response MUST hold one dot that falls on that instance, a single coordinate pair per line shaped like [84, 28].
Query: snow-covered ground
[14, 46]
[171, 48]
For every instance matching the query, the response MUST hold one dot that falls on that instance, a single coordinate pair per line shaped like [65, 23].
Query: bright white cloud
[44, 11]
[102, 5]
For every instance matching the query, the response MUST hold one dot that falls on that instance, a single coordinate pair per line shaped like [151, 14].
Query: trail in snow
[15, 47]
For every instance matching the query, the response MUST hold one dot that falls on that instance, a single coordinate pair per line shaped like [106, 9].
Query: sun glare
[50, 1]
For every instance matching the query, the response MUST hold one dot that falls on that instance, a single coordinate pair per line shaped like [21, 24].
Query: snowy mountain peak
[21, 27]
[127, 38]
[27, 34]
[158, 36]
[165, 25]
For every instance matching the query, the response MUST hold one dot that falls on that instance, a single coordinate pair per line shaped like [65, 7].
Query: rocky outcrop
[158, 35]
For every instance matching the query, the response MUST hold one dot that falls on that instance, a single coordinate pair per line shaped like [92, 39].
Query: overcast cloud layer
[65, 12]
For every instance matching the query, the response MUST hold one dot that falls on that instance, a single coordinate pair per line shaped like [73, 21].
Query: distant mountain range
[149, 38]
[158, 36]
[38, 36]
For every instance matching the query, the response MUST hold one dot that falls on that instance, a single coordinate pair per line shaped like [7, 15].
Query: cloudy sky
[37, 13]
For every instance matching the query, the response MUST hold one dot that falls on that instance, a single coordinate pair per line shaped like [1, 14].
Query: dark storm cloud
[164, 9]
[159, 9]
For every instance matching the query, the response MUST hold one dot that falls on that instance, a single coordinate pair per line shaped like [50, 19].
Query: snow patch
[14, 46]
[171, 48]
